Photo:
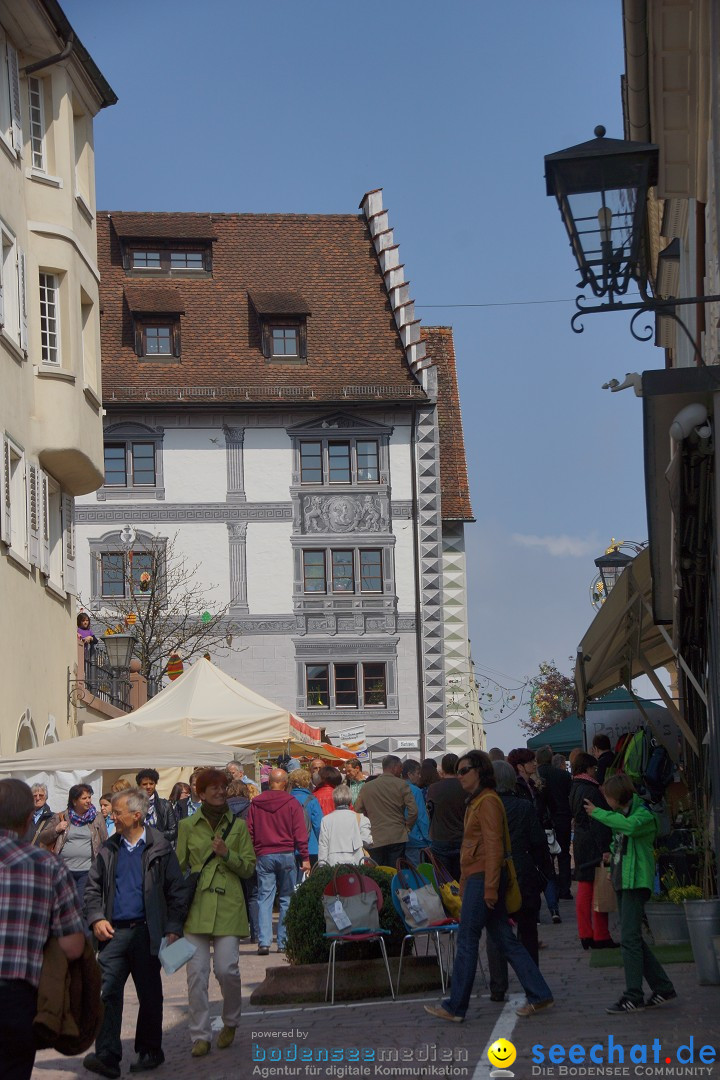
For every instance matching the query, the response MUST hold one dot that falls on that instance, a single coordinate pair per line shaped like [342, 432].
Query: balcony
[99, 691]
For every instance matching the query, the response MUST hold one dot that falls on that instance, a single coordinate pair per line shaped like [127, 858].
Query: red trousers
[591, 924]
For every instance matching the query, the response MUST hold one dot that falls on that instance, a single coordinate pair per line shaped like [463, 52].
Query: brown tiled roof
[352, 341]
[279, 303]
[153, 297]
[162, 226]
[455, 491]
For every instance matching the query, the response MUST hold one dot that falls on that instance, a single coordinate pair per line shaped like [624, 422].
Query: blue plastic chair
[410, 878]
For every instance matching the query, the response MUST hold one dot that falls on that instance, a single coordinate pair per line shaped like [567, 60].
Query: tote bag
[446, 885]
[421, 905]
[349, 914]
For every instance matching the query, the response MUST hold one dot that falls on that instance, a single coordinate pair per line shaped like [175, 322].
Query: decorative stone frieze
[343, 514]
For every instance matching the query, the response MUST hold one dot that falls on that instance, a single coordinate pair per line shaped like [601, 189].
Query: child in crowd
[106, 811]
[632, 872]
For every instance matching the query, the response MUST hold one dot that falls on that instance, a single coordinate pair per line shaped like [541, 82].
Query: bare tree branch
[161, 599]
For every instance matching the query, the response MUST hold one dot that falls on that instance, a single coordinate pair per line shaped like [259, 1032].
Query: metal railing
[104, 683]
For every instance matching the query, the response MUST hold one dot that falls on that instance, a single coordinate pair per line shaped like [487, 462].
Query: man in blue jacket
[419, 837]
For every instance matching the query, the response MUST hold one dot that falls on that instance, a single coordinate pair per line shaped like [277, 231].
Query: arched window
[26, 734]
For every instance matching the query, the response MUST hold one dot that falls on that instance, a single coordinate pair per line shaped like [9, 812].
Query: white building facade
[307, 485]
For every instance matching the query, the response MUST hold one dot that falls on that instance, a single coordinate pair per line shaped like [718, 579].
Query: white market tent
[127, 746]
[85, 758]
[206, 703]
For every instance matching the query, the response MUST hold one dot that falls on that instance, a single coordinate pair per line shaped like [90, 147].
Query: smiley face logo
[502, 1054]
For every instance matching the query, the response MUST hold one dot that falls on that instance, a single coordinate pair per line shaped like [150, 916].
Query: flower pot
[703, 920]
[667, 923]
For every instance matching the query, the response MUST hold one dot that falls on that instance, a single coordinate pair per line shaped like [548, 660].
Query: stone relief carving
[342, 514]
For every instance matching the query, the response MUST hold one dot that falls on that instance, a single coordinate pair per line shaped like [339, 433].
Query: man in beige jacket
[388, 802]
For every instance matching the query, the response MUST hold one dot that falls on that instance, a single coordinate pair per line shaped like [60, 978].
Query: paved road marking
[503, 1029]
[349, 1005]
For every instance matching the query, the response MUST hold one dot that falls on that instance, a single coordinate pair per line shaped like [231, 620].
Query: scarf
[587, 777]
[84, 819]
[151, 817]
[214, 814]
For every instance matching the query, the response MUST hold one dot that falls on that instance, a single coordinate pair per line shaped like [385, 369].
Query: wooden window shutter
[126, 257]
[22, 295]
[176, 338]
[5, 493]
[33, 514]
[207, 260]
[44, 523]
[302, 340]
[15, 107]
[68, 523]
[266, 338]
[139, 339]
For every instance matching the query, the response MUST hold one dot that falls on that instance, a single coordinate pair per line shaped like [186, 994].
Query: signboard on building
[353, 739]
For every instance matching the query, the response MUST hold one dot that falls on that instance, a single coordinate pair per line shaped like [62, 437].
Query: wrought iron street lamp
[119, 649]
[610, 566]
[601, 187]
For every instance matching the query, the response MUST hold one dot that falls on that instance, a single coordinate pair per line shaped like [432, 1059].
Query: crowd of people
[211, 863]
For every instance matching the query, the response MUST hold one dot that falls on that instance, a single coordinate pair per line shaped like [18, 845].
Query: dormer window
[282, 317]
[284, 340]
[156, 311]
[159, 260]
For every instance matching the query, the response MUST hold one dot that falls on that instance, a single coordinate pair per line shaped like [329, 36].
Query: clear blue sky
[302, 107]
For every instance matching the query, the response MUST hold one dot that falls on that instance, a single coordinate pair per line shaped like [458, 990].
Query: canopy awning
[623, 643]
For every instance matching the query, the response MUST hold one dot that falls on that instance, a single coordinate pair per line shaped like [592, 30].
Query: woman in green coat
[633, 874]
[218, 846]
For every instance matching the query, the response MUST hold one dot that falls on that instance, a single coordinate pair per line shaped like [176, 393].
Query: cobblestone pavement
[414, 1045]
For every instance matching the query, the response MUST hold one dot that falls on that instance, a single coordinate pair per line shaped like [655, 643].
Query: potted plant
[703, 913]
[666, 912]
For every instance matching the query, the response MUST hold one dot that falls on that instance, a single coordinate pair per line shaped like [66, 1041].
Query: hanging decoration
[175, 667]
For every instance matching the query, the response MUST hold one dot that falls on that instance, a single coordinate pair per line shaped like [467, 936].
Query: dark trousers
[18, 1005]
[448, 855]
[387, 854]
[638, 959]
[128, 953]
[527, 934]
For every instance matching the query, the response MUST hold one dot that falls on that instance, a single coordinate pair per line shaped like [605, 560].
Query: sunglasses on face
[465, 769]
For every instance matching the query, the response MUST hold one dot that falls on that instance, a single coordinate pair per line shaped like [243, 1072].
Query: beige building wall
[50, 386]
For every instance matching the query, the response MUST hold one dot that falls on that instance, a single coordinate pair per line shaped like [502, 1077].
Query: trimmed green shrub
[305, 920]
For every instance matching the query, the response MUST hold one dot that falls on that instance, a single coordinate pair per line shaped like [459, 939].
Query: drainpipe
[30, 69]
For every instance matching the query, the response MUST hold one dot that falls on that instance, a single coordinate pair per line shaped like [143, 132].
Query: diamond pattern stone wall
[464, 721]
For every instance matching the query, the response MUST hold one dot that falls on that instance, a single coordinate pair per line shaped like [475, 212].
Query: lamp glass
[601, 187]
[611, 567]
[119, 649]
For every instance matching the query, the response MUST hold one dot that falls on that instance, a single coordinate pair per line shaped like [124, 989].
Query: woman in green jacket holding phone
[632, 872]
[216, 845]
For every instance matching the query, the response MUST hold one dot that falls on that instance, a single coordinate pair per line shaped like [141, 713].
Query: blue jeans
[275, 874]
[475, 918]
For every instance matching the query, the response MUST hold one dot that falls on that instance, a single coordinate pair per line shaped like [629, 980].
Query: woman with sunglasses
[482, 883]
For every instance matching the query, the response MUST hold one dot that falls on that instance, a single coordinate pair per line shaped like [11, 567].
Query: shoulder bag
[193, 876]
[349, 913]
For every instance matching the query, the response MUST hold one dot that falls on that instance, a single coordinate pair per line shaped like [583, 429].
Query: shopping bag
[346, 911]
[604, 896]
[552, 842]
[446, 885]
[421, 905]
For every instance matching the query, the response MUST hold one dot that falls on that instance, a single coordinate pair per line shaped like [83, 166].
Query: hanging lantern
[131, 619]
[175, 667]
[145, 581]
[206, 617]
